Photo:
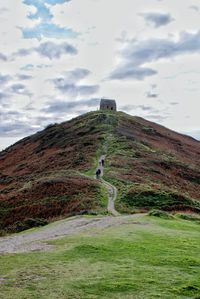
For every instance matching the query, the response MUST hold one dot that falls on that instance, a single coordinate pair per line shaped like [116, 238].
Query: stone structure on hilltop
[107, 104]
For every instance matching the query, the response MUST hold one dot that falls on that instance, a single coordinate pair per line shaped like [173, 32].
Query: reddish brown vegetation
[156, 156]
[49, 198]
[39, 176]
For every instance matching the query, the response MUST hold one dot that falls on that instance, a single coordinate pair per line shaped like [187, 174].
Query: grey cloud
[49, 49]
[4, 79]
[60, 106]
[23, 52]
[136, 107]
[157, 19]
[3, 57]
[77, 74]
[14, 129]
[195, 7]
[52, 50]
[127, 72]
[151, 95]
[76, 90]
[17, 124]
[11, 124]
[3, 95]
[3, 10]
[137, 53]
[19, 88]
[145, 108]
[69, 83]
[24, 77]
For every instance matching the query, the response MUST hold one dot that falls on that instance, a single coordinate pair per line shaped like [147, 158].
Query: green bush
[27, 224]
[189, 217]
[160, 214]
[149, 198]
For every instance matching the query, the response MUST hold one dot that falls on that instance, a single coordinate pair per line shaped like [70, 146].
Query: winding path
[37, 239]
[112, 190]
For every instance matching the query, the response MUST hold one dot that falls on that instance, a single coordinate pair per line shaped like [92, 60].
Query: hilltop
[50, 174]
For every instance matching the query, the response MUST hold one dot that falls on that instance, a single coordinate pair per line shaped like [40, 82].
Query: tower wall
[107, 104]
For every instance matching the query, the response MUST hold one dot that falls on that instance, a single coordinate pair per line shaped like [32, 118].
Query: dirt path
[112, 190]
[37, 239]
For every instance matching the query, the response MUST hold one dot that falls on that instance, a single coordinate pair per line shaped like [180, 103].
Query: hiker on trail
[102, 162]
[98, 172]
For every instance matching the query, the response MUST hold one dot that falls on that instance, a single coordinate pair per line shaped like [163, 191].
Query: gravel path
[36, 240]
[112, 190]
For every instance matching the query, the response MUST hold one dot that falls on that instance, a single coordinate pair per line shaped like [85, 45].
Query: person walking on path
[98, 172]
[102, 162]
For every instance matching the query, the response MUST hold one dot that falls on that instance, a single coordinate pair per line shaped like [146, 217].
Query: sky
[58, 58]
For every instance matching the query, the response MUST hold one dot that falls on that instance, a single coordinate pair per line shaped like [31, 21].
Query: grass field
[148, 258]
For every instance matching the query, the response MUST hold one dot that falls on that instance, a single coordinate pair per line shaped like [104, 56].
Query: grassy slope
[152, 166]
[42, 176]
[155, 258]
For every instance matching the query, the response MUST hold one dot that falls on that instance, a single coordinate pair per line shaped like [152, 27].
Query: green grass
[153, 258]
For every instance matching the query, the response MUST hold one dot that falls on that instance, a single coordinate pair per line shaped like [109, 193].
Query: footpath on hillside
[37, 239]
[112, 190]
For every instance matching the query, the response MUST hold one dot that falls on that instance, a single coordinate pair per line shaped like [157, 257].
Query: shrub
[160, 214]
[189, 217]
[27, 224]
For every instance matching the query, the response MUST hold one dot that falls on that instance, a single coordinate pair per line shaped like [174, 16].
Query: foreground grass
[151, 258]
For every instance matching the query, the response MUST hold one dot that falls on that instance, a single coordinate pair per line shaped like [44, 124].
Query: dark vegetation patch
[47, 199]
[149, 198]
[160, 214]
[189, 217]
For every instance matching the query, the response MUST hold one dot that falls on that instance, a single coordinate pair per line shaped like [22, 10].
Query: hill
[46, 175]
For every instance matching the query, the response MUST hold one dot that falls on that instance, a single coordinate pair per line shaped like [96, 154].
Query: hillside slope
[43, 176]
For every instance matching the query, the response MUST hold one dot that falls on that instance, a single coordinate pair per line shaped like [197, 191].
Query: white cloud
[111, 35]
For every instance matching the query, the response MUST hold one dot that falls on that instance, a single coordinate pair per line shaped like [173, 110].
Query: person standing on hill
[102, 162]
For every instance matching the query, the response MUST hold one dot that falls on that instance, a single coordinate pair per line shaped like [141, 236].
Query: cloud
[3, 57]
[137, 53]
[69, 83]
[19, 89]
[24, 77]
[48, 49]
[129, 108]
[45, 27]
[3, 98]
[151, 94]
[195, 7]
[60, 106]
[13, 125]
[174, 103]
[157, 19]
[128, 72]
[3, 10]
[52, 50]
[4, 79]
[75, 90]
[16, 128]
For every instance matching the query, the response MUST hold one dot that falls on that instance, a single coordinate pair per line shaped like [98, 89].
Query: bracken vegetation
[45, 176]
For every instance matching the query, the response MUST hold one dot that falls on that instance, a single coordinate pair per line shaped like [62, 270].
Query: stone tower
[107, 104]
